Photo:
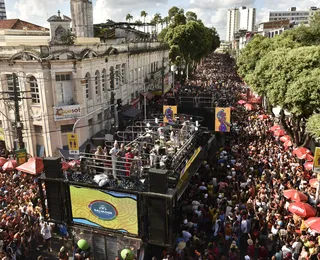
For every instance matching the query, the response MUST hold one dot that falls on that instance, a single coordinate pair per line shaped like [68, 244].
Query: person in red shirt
[129, 157]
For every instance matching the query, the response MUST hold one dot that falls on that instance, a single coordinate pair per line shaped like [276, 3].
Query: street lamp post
[173, 69]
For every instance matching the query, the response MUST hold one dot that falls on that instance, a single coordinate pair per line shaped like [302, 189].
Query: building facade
[242, 18]
[273, 28]
[82, 17]
[247, 18]
[233, 23]
[66, 83]
[3, 13]
[295, 16]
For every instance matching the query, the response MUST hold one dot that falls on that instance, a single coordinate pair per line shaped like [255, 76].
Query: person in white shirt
[46, 234]
[113, 152]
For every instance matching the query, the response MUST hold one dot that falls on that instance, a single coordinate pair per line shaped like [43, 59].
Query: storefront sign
[21, 156]
[66, 112]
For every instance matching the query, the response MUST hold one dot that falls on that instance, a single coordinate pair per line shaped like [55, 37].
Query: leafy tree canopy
[313, 125]
[187, 36]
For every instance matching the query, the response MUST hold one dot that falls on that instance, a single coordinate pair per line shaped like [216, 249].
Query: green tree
[191, 16]
[144, 15]
[156, 20]
[172, 12]
[68, 38]
[129, 18]
[290, 79]
[313, 126]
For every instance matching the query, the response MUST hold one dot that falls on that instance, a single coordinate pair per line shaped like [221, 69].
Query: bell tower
[82, 18]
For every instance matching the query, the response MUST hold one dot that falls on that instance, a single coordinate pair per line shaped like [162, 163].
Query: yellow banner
[222, 119]
[104, 209]
[73, 143]
[169, 114]
[190, 161]
[316, 158]
[1, 134]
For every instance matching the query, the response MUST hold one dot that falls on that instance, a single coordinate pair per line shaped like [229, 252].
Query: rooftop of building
[17, 24]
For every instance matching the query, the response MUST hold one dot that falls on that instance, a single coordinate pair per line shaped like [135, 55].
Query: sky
[211, 12]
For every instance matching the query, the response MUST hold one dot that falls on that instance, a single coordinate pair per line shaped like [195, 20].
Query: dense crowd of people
[235, 207]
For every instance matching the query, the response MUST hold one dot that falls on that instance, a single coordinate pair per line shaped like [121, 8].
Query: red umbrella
[313, 183]
[302, 209]
[34, 166]
[301, 152]
[274, 128]
[313, 223]
[9, 165]
[241, 102]
[285, 138]
[295, 195]
[263, 117]
[248, 107]
[65, 166]
[2, 161]
[309, 158]
[279, 132]
[288, 143]
[308, 166]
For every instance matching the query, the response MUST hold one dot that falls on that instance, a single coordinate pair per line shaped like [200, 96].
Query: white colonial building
[66, 82]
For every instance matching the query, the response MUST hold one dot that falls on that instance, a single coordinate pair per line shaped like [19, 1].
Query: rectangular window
[99, 117]
[90, 122]
[117, 75]
[38, 129]
[132, 96]
[66, 128]
[34, 90]
[64, 90]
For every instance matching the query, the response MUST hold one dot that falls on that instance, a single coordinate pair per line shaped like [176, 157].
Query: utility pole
[17, 112]
[162, 79]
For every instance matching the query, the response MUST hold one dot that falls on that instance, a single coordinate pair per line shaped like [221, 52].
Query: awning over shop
[130, 112]
[167, 88]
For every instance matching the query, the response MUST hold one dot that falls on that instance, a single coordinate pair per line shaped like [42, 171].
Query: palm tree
[144, 15]
[129, 17]
[166, 20]
[157, 19]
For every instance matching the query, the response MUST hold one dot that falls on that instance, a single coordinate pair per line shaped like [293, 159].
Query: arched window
[97, 83]
[34, 90]
[88, 86]
[111, 77]
[103, 80]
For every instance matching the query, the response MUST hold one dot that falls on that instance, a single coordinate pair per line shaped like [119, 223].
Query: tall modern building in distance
[240, 19]
[247, 18]
[3, 14]
[294, 15]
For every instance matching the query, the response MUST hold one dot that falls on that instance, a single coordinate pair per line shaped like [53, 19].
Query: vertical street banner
[316, 160]
[169, 114]
[222, 119]
[73, 143]
[21, 156]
